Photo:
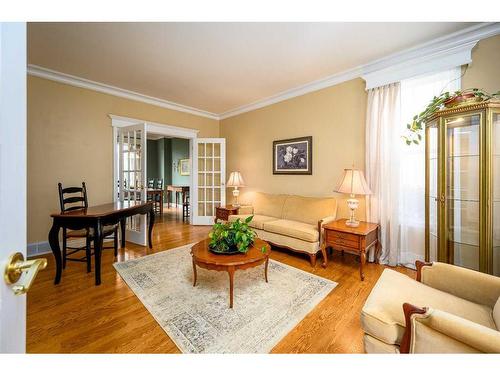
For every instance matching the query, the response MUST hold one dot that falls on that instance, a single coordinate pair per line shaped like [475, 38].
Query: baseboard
[38, 248]
[173, 205]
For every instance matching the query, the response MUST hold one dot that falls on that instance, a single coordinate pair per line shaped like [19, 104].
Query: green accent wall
[180, 150]
[161, 156]
[152, 160]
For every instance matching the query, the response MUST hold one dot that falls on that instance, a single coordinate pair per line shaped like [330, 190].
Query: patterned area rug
[199, 320]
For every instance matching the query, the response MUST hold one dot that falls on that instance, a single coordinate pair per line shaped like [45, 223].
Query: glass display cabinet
[462, 187]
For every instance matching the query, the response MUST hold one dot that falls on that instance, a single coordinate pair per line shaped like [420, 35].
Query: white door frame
[156, 128]
[12, 179]
[134, 234]
[208, 219]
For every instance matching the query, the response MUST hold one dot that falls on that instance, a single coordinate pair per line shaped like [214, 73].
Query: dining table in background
[96, 217]
[183, 190]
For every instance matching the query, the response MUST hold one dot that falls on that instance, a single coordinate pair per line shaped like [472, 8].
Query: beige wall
[70, 137]
[70, 140]
[484, 71]
[334, 117]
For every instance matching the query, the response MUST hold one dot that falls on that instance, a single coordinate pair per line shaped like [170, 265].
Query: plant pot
[466, 98]
[231, 251]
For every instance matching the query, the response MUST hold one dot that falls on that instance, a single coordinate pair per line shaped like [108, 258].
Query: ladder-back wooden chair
[75, 198]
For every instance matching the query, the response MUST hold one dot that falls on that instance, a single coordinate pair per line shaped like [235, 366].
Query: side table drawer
[221, 213]
[343, 239]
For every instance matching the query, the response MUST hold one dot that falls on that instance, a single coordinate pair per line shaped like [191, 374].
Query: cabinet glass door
[432, 191]
[496, 193]
[462, 190]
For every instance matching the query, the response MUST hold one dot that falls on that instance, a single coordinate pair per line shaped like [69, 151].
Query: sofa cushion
[308, 210]
[257, 221]
[382, 315]
[268, 204]
[295, 229]
[288, 242]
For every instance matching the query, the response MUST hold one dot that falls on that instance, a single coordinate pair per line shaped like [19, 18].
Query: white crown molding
[154, 127]
[449, 49]
[68, 79]
[440, 53]
[297, 91]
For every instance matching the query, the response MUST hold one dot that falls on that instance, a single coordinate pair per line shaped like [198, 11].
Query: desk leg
[161, 203]
[97, 251]
[123, 224]
[56, 250]
[151, 223]
[168, 198]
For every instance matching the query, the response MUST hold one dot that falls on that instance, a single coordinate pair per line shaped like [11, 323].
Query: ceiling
[217, 67]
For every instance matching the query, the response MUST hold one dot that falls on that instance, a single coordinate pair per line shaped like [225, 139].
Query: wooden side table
[354, 240]
[223, 213]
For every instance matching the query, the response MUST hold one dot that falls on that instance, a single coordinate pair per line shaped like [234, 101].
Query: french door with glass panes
[131, 178]
[209, 187]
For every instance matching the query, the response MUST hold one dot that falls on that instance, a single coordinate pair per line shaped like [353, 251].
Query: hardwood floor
[78, 317]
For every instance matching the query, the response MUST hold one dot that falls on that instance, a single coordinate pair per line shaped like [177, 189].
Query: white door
[12, 179]
[209, 179]
[131, 151]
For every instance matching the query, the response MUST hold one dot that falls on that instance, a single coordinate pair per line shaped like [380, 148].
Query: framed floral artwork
[184, 167]
[292, 156]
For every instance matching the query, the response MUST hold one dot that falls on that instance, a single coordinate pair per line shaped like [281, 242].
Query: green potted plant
[445, 100]
[232, 238]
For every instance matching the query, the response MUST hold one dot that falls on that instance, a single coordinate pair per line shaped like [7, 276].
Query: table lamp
[353, 182]
[235, 181]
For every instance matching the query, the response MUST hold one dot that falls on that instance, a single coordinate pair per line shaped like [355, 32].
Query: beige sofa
[448, 309]
[290, 221]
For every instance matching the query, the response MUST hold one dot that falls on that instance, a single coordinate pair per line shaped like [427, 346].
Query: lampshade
[235, 180]
[353, 182]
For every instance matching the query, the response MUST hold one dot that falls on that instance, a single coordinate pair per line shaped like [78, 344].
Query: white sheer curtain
[382, 168]
[395, 171]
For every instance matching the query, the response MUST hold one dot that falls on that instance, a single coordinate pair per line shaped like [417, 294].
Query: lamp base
[352, 223]
[236, 194]
[352, 203]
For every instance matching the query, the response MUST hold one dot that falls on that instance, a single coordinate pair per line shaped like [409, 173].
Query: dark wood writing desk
[96, 217]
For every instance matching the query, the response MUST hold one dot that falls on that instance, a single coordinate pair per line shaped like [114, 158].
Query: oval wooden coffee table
[204, 258]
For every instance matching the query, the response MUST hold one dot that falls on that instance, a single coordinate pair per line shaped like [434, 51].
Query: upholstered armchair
[448, 309]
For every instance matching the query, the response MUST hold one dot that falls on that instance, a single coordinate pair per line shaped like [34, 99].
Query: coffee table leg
[195, 275]
[266, 267]
[231, 286]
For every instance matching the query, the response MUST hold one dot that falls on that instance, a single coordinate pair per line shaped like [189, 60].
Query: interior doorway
[168, 174]
[152, 154]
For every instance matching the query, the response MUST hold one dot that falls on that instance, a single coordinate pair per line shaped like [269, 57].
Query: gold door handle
[16, 265]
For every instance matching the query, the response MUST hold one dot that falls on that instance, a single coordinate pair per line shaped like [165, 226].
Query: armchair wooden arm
[434, 331]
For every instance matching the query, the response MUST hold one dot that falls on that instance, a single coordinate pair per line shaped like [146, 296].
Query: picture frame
[293, 156]
[184, 167]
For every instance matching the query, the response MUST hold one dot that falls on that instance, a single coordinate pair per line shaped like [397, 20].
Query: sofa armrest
[245, 210]
[322, 222]
[434, 331]
[461, 282]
